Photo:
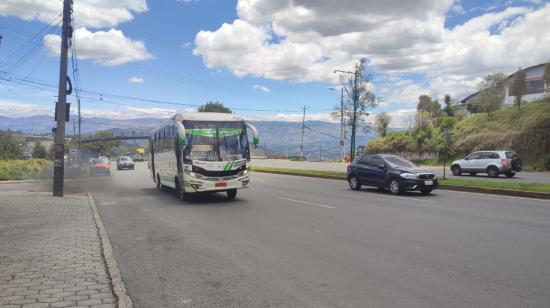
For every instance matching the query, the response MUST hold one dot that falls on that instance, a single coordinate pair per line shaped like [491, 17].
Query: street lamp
[342, 151]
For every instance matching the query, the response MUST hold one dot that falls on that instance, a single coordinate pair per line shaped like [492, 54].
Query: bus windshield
[216, 141]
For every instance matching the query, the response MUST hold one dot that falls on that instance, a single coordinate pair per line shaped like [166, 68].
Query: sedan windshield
[396, 161]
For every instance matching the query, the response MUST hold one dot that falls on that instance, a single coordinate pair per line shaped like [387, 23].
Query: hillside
[275, 136]
[526, 131]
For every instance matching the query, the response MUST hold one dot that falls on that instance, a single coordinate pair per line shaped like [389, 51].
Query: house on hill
[535, 88]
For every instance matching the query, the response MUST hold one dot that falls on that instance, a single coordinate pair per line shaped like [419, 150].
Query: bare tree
[358, 99]
[519, 86]
[382, 123]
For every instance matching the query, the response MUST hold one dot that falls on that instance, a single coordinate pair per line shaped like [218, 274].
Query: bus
[202, 152]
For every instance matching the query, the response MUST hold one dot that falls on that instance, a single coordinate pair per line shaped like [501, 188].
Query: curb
[23, 181]
[119, 290]
[492, 191]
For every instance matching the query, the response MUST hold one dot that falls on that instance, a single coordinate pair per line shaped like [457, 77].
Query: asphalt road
[525, 177]
[302, 242]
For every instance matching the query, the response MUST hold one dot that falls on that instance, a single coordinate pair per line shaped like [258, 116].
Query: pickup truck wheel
[354, 183]
[456, 170]
[510, 174]
[395, 187]
[492, 172]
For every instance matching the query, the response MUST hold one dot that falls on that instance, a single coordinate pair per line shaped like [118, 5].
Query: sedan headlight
[409, 176]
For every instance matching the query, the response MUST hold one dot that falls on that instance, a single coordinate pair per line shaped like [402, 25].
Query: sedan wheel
[354, 183]
[395, 187]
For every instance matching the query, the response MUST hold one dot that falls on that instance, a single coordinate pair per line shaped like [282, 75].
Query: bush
[25, 169]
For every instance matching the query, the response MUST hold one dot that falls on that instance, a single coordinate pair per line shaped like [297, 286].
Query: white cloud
[305, 41]
[14, 109]
[292, 117]
[136, 79]
[109, 48]
[88, 13]
[187, 45]
[261, 88]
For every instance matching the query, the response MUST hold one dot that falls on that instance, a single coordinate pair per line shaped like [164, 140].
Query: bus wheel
[180, 190]
[159, 185]
[231, 194]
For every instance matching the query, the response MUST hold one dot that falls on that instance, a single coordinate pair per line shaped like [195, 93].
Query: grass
[301, 171]
[530, 187]
[31, 169]
[534, 187]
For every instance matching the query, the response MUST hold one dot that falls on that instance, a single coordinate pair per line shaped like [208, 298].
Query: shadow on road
[203, 199]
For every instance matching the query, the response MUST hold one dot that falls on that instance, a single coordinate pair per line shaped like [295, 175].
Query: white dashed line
[306, 202]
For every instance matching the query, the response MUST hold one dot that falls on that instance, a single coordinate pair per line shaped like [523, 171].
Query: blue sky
[274, 55]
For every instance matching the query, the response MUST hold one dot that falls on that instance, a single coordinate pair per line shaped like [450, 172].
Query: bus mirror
[181, 133]
[255, 134]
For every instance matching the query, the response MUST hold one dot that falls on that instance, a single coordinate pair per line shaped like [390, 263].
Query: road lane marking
[306, 202]
[414, 199]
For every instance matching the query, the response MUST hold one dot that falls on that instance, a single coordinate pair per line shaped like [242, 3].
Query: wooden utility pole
[342, 149]
[59, 159]
[303, 128]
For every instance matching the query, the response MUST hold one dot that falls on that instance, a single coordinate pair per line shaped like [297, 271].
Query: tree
[381, 123]
[358, 99]
[39, 151]
[491, 93]
[546, 76]
[519, 86]
[448, 109]
[101, 147]
[214, 107]
[427, 106]
[9, 147]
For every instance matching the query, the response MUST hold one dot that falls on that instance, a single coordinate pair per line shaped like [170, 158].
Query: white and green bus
[200, 152]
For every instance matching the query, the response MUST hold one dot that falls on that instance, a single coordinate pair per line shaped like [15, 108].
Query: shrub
[25, 169]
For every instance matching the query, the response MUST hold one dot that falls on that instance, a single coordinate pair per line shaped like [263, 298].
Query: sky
[265, 59]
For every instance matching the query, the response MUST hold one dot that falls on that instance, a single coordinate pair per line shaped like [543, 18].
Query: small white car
[491, 162]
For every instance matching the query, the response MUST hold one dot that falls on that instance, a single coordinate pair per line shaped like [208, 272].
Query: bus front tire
[180, 191]
[231, 194]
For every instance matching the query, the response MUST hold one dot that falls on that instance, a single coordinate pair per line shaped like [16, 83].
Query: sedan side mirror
[382, 167]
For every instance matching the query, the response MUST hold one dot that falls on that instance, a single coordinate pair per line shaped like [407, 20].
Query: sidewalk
[50, 253]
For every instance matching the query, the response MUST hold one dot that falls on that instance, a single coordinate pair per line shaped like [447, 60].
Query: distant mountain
[275, 136]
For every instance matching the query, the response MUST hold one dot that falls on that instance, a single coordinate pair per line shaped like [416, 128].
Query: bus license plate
[221, 184]
[428, 182]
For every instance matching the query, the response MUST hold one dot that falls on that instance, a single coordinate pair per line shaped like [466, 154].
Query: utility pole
[79, 132]
[59, 159]
[303, 128]
[342, 138]
[354, 119]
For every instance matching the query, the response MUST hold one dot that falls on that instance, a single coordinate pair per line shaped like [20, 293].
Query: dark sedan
[392, 172]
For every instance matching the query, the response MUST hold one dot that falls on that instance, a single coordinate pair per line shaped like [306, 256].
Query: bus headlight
[193, 174]
[244, 172]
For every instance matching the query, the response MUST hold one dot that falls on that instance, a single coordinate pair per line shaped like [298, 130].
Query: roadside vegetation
[30, 169]
[436, 133]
